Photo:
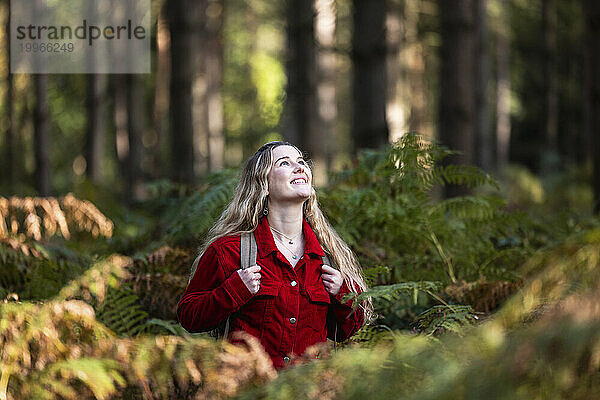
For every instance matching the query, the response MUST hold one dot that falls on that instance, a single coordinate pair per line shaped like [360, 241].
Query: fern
[121, 312]
[445, 318]
[38, 217]
[197, 213]
[392, 292]
[387, 199]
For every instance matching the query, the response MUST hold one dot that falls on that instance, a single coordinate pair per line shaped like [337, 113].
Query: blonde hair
[250, 199]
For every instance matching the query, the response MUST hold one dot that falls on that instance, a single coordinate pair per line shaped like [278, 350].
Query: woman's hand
[251, 278]
[332, 279]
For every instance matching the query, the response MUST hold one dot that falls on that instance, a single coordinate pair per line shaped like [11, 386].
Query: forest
[455, 147]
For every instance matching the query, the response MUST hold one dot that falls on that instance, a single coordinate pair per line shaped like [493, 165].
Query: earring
[265, 210]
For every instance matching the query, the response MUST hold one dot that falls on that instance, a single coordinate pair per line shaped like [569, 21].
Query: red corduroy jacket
[290, 310]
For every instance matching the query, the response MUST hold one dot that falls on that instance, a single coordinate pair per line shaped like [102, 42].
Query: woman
[289, 300]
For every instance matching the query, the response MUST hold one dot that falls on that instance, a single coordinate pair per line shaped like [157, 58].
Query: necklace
[286, 236]
[294, 255]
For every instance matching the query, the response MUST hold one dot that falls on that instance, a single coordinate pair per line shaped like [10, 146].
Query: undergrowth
[465, 288]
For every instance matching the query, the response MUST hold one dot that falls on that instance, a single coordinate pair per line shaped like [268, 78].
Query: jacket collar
[266, 243]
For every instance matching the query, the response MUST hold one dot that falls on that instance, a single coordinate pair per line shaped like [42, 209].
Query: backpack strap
[327, 261]
[248, 250]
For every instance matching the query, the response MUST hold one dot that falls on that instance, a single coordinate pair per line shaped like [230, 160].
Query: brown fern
[43, 217]
[483, 296]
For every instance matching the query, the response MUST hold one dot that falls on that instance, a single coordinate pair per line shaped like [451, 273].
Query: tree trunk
[9, 134]
[457, 122]
[550, 77]
[200, 88]
[322, 142]
[483, 138]
[369, 128]
[119, 89]
[161, 95]
[592, 50]
[95, 136]
[41, 135]
[503, 88]
[398, 92]
[213, 65]
[415, 61]
[300, 118]
[182, 18]
[135, 130]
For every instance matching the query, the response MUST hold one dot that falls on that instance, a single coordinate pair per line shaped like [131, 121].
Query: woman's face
[290, 178]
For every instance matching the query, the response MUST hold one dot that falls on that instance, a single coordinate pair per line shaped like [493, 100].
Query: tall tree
[456, 119]
[503, 127]
[183, 15]
[213, 67]
[300, 108]
[369, 128]
[129, 125]
[398, 93]
[9, 134]
[95, 136]
[199, 88]
[118, 89]
[41, 127]
[135, 130]
[405, 70]
[160, 121]
[550, 76]
[483, 137]
[96, 92]
[321, 142]
[592, 50]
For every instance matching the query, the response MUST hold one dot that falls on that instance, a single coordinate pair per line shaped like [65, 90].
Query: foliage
[192, 218]
[385, 208]
[444, 318]
[22, 214]
[159, 278]
[455, 305]
[551, 356]
[58, 350]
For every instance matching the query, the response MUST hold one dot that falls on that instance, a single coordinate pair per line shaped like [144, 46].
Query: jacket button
[293, 283]
[286, 359]
[293, 320]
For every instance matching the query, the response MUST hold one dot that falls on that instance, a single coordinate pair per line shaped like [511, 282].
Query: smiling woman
[290, 298]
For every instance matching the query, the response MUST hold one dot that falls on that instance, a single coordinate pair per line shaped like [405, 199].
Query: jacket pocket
[318, 294]
[319, 305]
[260, 308]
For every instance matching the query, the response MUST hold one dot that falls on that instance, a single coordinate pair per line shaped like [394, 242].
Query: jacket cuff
[344, 290]
[237, 289]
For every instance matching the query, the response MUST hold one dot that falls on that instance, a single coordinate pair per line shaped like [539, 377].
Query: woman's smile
[290, 177]
[299, 181]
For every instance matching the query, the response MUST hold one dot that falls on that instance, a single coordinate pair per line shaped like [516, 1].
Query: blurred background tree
[500, 81]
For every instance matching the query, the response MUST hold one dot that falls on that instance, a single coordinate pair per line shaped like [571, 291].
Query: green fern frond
[122, 313]
[199, 212]
[445, 318]
[467, 175]
[468, 207]
[392, 292]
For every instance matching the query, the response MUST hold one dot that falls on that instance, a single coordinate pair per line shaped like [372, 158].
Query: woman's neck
[287, 219]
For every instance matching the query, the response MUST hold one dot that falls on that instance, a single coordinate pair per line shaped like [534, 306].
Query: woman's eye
[302, 162]
[284, 163]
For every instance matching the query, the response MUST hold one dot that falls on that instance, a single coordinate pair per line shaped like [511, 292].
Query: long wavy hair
[250, 199]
